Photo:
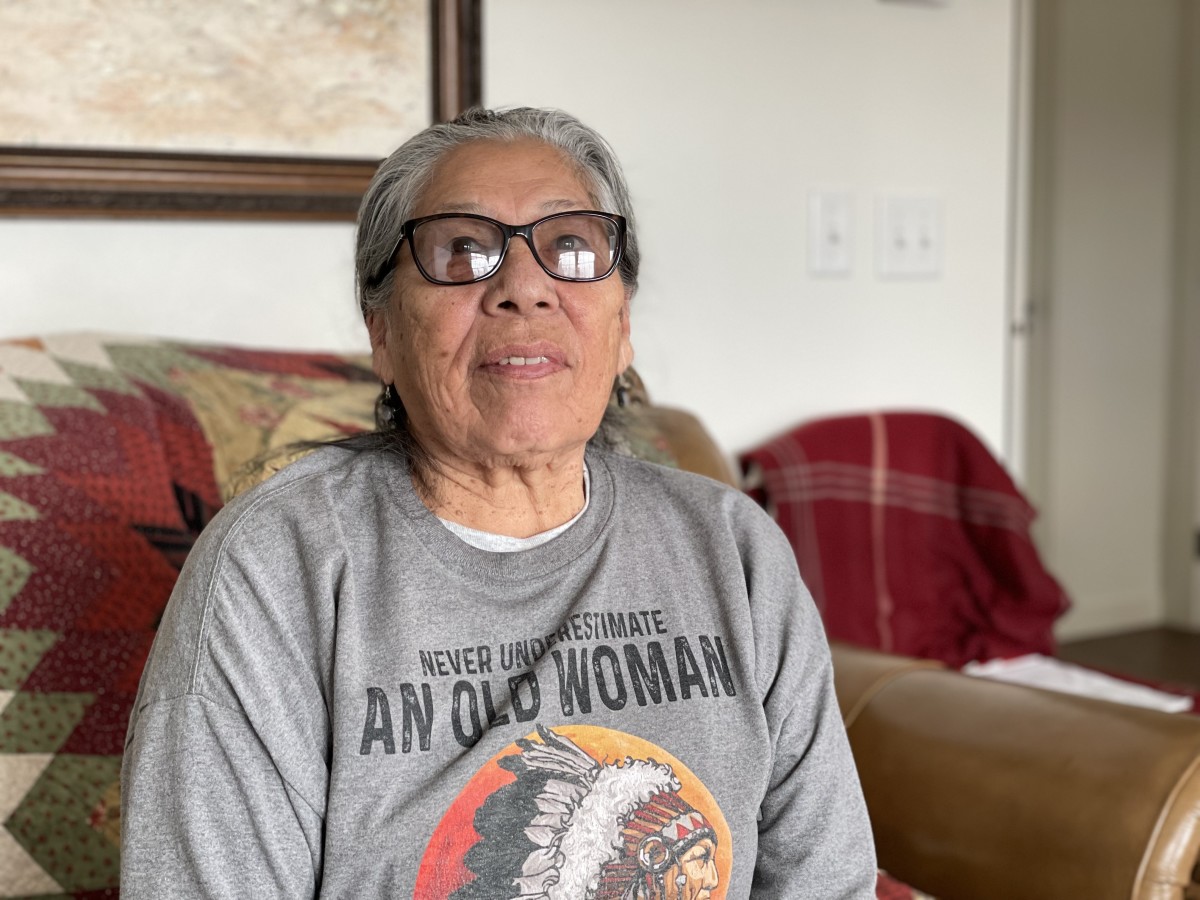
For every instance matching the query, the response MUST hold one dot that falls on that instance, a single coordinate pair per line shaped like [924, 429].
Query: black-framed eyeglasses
[462, 248]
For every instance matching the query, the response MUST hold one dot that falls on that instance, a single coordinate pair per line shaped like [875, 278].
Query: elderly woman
[478, 654]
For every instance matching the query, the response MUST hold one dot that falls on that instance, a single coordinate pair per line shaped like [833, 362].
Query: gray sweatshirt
[344, 699]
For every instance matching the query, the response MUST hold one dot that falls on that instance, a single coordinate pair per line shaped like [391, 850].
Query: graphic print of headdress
[591, 830]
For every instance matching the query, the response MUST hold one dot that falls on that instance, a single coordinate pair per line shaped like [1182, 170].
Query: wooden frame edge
[71, 183]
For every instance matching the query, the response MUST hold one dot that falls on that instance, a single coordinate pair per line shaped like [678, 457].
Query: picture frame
[84, 182]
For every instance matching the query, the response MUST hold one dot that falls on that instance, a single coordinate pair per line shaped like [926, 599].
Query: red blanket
[911, 536]
[888, 888]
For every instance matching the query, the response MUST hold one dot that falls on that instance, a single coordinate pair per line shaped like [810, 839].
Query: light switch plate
[909, 237]
[830, 233]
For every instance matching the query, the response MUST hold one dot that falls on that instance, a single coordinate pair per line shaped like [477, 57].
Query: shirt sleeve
[226, 766]
[207, 812]
[814, 834]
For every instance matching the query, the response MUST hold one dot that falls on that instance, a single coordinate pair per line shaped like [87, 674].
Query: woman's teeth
[523, 360]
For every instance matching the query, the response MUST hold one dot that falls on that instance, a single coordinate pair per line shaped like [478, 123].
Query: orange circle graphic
[444, 868]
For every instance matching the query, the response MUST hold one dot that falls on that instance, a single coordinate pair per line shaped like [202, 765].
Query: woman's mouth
[525, 361]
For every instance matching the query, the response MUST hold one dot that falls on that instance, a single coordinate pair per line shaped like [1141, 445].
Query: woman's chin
[528, 444]
[535, 430]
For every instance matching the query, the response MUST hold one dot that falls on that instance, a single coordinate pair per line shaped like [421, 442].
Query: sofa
[979, 789]
[116, 451]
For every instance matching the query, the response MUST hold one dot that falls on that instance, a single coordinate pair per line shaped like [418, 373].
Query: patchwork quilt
[114, 454]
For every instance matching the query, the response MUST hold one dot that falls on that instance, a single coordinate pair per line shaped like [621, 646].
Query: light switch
[830, 233]
[909, 237]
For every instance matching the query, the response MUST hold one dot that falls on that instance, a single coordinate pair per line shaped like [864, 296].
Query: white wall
[726, 115]
[1111, 86]
[260, 284]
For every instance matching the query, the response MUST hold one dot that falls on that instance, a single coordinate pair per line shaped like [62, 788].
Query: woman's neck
[514, 500]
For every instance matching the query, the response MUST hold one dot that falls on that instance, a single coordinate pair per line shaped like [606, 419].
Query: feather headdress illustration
[573, 828]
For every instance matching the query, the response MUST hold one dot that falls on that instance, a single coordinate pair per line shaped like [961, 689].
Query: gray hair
[402, 177]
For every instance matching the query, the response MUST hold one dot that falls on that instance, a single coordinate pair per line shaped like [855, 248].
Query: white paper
[1051, 674]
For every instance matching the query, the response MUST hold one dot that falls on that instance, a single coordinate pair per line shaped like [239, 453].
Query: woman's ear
[625, 352]
[381, 359]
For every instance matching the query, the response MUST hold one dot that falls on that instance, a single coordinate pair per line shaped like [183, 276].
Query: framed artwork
[224, 109]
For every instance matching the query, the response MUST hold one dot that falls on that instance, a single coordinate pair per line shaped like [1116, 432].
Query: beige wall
[1106, 299]
[1185, 591]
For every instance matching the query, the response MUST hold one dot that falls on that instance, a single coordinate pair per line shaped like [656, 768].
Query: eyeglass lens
[461, 249]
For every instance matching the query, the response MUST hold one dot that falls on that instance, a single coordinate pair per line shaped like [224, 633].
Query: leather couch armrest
[858, 675]
[983, 790]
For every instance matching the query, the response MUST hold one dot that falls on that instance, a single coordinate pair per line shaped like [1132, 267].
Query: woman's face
[448, 349]
[694, 877]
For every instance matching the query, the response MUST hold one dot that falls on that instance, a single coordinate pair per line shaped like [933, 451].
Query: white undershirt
[503, 543]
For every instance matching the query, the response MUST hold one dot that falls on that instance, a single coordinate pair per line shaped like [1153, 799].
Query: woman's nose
[521, 285]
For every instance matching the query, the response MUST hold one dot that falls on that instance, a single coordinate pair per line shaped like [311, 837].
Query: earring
[624, 385]
[393, 408]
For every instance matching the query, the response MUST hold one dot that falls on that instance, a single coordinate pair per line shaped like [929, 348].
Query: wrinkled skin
[508, 440]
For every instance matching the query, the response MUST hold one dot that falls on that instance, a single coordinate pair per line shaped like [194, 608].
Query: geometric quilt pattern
[114, 454]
